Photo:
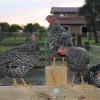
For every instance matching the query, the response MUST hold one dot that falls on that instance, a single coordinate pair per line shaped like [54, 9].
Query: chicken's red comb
[48, 16]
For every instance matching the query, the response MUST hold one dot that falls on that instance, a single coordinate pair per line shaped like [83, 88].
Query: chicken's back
[94, 75]
[19, 60]
[78, 60]
[57, 36]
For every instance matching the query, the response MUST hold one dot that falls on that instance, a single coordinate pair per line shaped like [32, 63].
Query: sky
[31, 11]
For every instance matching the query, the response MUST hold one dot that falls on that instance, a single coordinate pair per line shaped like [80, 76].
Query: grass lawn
[19, 40]
[94, 53]
[43, 39]
[3, 48]
[22, 39]
[93, 62]
[14, 40]
[91, 42]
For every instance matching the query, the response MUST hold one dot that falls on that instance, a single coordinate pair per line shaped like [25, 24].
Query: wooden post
[55, 76]
[79, 40]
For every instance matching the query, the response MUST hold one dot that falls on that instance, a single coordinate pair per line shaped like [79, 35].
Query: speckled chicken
[94, 75]
[77, 59]
[57, 35]
[17, 61]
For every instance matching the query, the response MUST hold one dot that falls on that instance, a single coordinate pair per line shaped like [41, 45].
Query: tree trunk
[95, 33]
[90, 35]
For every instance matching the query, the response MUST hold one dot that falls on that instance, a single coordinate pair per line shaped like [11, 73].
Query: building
[69, 19]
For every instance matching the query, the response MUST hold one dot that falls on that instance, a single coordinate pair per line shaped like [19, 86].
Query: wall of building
[72, 15]
[75, 29]
[69, 15]
[57, 15]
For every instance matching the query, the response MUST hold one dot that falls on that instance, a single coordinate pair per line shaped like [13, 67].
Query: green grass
[20, 39]
[91, 42]
[92, 52]
[93, 62]
[14, 40]
[95, 53]
[43, 39]
[57, 63]
[3, 48]
[95, 44]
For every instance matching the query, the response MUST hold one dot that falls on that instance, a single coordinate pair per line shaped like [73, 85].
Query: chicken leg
[63, 60]
[15, 82]
[54, 62]
[23, 81]
[73, 79]
[82, 82]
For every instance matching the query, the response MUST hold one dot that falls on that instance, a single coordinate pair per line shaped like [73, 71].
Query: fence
[49, 93]
[20, 34]
[95, 49]
[41, 92]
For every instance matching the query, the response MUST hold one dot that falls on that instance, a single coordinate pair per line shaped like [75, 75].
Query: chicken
[77, 59]
[17, 61]
[57, 36]
[94, 75]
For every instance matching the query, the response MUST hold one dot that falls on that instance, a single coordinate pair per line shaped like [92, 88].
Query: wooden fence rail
[96, 48]
[93, 57]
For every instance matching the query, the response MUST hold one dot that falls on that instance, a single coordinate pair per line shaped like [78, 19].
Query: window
[63, 14]
[83, 30]
[67, 28]
[98, 18]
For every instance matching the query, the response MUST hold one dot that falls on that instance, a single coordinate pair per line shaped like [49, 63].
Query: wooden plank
[95, 48]
[55, 76]
[48, 93]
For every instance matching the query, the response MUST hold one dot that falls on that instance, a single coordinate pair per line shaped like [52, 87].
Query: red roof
[71, 20]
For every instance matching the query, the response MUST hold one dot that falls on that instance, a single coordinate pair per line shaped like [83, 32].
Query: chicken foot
[16, 84]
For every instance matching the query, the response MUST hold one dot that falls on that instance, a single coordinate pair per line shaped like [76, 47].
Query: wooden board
[48, 93]
[55, 76]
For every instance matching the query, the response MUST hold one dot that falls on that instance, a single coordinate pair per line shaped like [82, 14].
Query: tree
[14, 28]
[34, 28]
[90, 10]
[4, 27]
[40, 29]
[29, 28]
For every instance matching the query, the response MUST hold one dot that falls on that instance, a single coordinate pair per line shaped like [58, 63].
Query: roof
[71, 21]
[64, 9]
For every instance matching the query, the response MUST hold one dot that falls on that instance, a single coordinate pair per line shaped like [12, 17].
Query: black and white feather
[57, 36]
[78, 60]
[94, 75]
[17, 61]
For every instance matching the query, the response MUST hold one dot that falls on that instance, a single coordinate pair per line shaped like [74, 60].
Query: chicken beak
[58, 50]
